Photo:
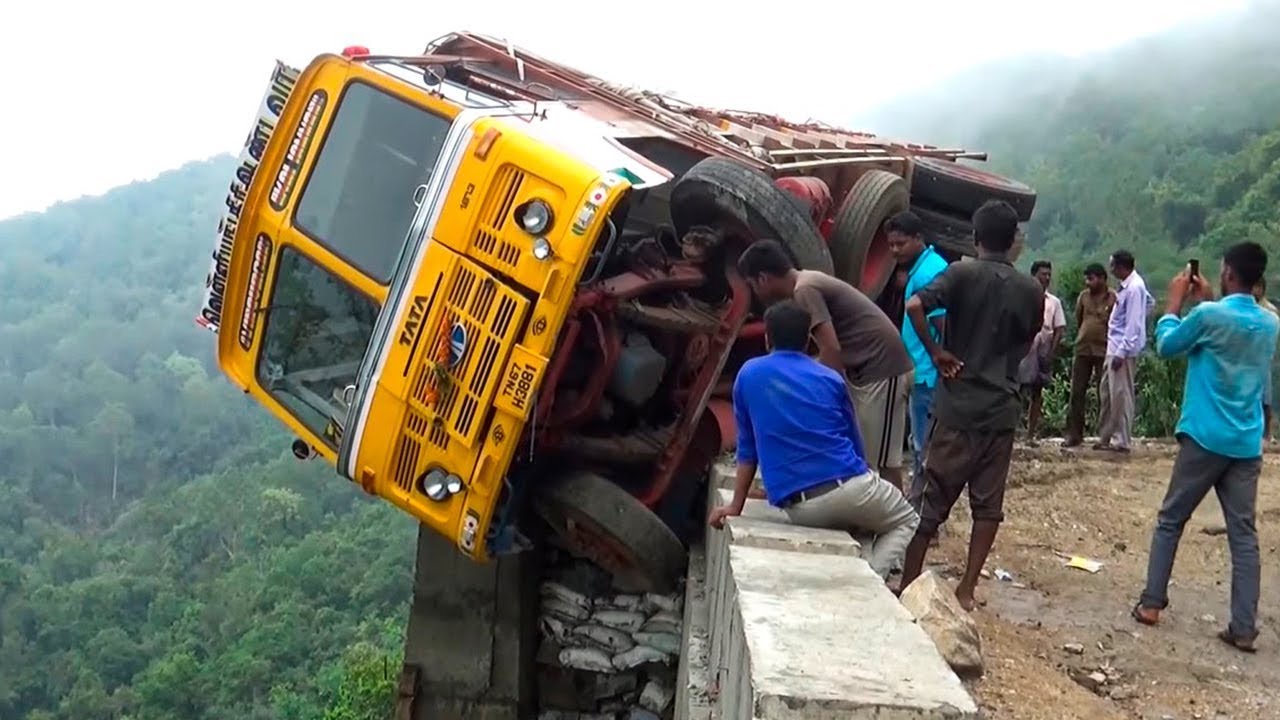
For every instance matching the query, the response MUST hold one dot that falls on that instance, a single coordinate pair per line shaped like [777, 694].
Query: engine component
[639, 371]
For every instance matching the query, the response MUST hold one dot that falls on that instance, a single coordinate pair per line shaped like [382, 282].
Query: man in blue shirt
[1229, 345]
[796, 423]
[923, 264]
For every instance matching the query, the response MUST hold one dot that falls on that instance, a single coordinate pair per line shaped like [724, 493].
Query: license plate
[520, 382]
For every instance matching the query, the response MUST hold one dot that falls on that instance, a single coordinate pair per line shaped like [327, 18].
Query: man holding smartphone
[1229, 345]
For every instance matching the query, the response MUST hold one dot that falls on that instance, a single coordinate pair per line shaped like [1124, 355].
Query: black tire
[944, 224]
[600, 521]
[963, 188]
[858, 232]
[953, 236]
[744, 202]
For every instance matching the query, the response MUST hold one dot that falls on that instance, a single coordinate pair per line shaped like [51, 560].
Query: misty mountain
[1166, 146]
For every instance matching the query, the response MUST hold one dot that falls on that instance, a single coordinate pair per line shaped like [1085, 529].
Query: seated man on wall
[796, 422]
[855, 338]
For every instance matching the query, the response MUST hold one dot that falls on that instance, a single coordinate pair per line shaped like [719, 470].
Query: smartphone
[1194, 266]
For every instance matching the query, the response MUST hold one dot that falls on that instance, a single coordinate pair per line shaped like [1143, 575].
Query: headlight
[541, 248]
[534, 217]
[439, 486]
[435, 484]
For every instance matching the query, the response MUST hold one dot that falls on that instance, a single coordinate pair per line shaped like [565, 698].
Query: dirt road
[1102, 507]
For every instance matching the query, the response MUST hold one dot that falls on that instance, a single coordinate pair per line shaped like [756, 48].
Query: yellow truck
[491, 288]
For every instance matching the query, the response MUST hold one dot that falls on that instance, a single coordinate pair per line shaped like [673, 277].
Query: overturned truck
[490, 288]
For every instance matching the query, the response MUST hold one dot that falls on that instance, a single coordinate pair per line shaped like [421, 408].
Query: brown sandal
[1145, 615]
[1237, 642]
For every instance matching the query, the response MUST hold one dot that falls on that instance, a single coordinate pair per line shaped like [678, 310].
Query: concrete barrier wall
[785, 622]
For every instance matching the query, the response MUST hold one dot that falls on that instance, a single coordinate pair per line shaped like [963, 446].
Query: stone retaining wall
[785, 623]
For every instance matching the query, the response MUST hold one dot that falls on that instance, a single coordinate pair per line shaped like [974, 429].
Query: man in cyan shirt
[923, 263]
[1126, 337]
[1229, 346]
[796, 423]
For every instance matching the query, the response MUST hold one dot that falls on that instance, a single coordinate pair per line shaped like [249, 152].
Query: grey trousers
[1116, 400]
[865, 505]
[1195, 472]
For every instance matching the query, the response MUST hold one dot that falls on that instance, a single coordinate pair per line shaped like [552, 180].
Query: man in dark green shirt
[993, 314]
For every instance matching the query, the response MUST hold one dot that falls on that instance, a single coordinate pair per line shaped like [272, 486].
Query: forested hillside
[1167, 146]
[161, 553]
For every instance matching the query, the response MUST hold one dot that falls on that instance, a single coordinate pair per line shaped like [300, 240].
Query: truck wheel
[953, 236]
[600, 521]
[945, 224]
[744, 201]
[858, 240]
[948, 184]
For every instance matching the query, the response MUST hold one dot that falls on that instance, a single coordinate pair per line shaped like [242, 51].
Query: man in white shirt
[1126, 338]
[1036, 369]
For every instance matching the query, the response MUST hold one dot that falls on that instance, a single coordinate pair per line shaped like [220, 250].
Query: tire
[597, 519]
[953, 236]
[858, 241]
[963, 188]
[944, 224]
[744, 201]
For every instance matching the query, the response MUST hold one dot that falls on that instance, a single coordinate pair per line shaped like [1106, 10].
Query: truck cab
[478, 282]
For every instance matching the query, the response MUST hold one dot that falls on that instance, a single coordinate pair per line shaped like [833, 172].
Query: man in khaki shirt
[1093, 312]
[855, 338]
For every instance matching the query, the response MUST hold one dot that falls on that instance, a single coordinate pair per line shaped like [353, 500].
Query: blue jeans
[921, 409]
[1196, 471]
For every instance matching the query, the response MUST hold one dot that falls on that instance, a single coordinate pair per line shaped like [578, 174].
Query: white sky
[99, 94]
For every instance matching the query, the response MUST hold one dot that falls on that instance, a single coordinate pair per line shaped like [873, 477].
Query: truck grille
[447, 407]
[486, 244]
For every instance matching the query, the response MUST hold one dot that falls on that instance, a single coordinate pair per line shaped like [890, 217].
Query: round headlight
[535, 217]
[541, 248]
[435, 485]
[453, 484]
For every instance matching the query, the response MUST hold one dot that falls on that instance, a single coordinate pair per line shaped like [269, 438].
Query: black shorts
[956, 459]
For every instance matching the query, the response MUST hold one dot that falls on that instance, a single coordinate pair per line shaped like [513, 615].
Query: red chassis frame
[594, 311]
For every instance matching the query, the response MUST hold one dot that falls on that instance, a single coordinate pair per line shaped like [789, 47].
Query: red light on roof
[355, 51]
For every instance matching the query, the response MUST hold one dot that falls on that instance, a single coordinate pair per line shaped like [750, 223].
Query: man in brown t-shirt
[853, 337]
[1093, 312]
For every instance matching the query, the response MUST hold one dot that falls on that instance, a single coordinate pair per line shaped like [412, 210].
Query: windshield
[317, 330]
[358, 201]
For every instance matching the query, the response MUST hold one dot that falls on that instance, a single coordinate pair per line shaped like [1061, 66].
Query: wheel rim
[877, 265]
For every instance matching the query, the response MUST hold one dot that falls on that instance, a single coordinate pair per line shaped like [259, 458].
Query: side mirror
[433, 75]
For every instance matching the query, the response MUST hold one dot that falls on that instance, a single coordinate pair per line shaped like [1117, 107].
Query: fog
[1219, 60]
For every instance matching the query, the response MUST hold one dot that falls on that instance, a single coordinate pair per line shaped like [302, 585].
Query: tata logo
[457, 344]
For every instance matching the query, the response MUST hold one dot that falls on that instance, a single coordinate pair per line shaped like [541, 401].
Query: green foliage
[1168, 147]
[161, 554]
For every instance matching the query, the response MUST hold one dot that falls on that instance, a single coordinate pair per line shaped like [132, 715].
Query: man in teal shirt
[1229, 346]
[923, 263]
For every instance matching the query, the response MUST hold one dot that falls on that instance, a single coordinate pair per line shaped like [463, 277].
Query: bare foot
[965, 596]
